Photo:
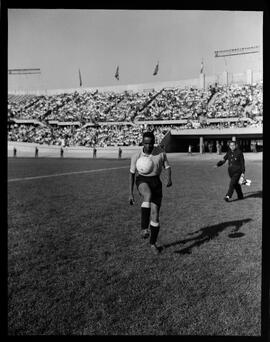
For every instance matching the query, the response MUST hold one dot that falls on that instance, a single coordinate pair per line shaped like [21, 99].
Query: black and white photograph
[134, 172]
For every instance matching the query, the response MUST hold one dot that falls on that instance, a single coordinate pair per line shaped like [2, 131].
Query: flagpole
[202, 66]
[80, 78]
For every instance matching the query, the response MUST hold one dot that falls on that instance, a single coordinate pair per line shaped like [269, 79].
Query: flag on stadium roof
[117, 73]
[80, 78]
[156, 69]
[201, 71]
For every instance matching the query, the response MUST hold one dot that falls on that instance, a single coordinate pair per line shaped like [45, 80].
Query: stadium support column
[225, 78]
[201, 145]
[202, 81]
[249, 75]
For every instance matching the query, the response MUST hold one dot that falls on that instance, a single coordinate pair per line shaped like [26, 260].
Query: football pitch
[78, 266]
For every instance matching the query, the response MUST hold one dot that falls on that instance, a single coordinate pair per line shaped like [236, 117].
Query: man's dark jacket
[235, 159]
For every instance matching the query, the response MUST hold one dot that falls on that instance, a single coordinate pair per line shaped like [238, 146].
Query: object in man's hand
[244, 181]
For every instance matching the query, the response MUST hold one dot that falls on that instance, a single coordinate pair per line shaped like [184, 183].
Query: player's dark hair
[232, 141]
[149, 135]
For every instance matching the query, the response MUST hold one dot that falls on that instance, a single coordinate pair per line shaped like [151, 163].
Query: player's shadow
[208, 233]
[257, 194]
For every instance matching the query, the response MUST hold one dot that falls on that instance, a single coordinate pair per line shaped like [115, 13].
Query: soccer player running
[150, 188]
[236, 169]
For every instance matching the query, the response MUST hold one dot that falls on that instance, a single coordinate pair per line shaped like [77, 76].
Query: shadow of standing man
[208, 233]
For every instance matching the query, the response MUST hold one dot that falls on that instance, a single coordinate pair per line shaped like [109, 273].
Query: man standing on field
[236, 169]
[150, 188]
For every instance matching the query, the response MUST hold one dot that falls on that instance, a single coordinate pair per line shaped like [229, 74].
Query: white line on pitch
[65, 174]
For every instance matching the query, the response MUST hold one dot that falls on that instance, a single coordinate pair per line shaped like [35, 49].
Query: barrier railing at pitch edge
[61, 152]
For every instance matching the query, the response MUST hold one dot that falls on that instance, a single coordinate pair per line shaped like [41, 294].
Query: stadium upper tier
[128, 106]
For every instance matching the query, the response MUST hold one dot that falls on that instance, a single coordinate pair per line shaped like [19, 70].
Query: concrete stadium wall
[52, 151]
[27, 150]
[195, 82]
[225, 131]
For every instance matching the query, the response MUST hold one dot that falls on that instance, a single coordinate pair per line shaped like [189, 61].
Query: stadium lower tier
[173, 138]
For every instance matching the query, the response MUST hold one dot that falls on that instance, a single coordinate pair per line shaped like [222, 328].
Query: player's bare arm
[168, 170]
[131, 187]
[169, 176]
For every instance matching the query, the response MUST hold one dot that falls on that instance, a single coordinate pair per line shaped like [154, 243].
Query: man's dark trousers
[234, 185]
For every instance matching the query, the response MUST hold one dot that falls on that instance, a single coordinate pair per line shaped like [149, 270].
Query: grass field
[77, 264]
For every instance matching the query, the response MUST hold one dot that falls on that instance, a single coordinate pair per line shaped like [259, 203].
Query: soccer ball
[144, 165]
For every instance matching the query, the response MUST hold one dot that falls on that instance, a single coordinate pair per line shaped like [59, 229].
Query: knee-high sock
[145, 215]
[154, 227]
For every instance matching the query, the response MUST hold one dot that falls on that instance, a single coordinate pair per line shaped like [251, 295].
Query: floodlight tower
[25, 73]
[237, 52]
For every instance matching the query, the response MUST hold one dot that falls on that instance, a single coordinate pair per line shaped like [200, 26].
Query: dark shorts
[155, 185]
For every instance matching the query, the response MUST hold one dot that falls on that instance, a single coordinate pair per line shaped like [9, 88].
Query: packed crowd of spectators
[196, 106]
[175, 104]
[113, 135]
[83, 107]
[237, 101]
[167, 104]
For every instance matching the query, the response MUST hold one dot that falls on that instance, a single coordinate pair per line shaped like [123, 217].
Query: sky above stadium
[62, 41]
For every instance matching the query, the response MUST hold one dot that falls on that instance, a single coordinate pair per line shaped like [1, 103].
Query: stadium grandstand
[199, 113]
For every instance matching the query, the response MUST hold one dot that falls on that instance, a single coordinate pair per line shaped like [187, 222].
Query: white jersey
[159, 159]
